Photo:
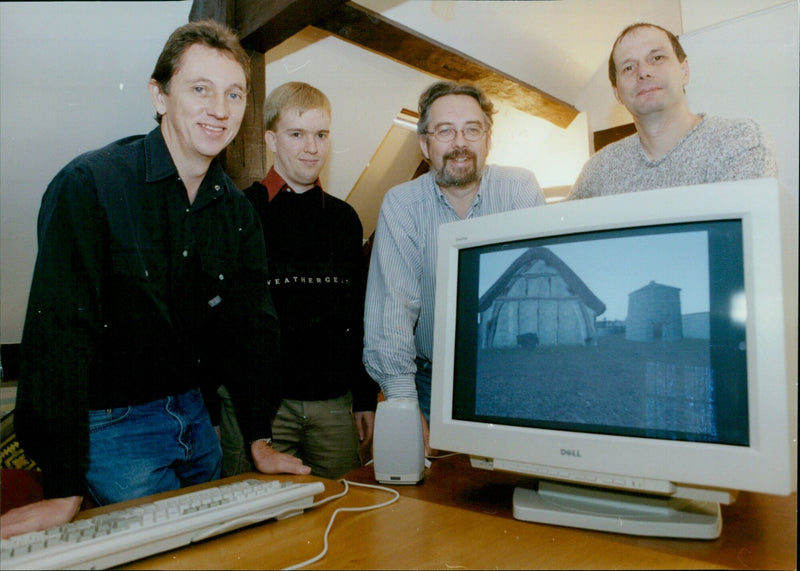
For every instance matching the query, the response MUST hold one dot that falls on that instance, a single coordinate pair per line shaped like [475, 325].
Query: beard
[459, 175]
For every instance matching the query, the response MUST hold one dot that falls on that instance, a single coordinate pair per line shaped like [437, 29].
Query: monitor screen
[639, 346]
[550, 333]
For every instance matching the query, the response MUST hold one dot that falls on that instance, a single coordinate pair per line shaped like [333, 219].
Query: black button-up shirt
[138, 294]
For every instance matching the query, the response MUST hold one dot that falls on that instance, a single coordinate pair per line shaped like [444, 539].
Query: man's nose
[645, 71]
[219, 106]
[311, 143]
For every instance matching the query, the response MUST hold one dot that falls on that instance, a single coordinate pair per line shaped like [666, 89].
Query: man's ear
[271, 139]
[616, 95]
[157, 96]
[423, 145]
[686, 74]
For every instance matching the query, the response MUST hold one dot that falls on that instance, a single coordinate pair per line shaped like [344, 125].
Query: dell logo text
[575, 453]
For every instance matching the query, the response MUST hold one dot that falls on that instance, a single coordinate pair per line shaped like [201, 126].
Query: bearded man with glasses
[455, 134]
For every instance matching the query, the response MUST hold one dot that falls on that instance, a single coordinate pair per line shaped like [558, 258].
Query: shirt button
[216, 187]
[185, 253]
[221, 277]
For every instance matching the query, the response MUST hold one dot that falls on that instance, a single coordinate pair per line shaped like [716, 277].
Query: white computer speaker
[398, 447]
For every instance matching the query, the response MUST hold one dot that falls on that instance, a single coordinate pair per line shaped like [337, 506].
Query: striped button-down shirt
[398, 318]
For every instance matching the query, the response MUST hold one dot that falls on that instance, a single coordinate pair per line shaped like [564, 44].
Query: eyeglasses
[448, 134]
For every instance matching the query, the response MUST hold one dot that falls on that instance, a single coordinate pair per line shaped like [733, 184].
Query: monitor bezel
[769, 227]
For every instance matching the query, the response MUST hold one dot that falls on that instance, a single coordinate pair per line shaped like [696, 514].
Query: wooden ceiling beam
[220, 10]
[264, 24]
[374, 32]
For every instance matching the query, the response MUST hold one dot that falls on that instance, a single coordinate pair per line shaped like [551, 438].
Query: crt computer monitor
[637, 353]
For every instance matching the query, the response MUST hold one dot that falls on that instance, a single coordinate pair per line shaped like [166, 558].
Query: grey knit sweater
[716, 149]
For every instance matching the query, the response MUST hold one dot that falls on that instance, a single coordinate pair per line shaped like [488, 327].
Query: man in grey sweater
[649, 71]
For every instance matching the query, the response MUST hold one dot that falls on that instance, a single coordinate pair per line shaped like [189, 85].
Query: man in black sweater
[316, 280]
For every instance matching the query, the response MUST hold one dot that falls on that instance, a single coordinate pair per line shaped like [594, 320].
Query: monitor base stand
[617, 511]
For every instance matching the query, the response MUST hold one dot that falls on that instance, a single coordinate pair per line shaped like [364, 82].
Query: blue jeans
[140, 450]
[423, 381]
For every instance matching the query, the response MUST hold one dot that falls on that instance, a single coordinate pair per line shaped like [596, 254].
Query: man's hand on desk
[270, 461]
[39, 515]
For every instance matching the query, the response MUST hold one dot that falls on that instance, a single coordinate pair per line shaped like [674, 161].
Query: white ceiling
[559, 46]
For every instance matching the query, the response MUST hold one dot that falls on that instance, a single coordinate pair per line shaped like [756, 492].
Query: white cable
[336, 512]
[443, 455]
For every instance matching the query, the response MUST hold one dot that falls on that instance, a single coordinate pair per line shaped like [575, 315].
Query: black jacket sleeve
[61, 333]
[363, 388]
[253, 335]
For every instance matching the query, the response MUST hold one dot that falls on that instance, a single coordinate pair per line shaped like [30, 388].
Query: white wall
[697, 14]
[748, 67]
[683, 18]
[73, 77]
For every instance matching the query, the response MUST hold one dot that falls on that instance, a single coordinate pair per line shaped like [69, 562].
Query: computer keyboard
[124, 535]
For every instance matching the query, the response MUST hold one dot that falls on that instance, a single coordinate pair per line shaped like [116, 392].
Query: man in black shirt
[316, 279]
[149, 285]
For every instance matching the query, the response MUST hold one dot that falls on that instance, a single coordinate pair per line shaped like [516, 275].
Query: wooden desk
[460, 518]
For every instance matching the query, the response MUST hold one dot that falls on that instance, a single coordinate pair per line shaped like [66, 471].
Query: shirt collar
[159, 165]
[476, 200]
[274, 184]
[158, 161]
